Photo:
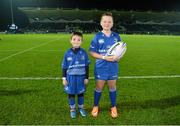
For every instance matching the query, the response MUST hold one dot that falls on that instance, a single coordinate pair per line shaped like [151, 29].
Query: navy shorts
[104, 75]
[75, 84]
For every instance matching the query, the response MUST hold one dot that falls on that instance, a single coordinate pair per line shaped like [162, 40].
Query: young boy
[75, 68]
[106, 67]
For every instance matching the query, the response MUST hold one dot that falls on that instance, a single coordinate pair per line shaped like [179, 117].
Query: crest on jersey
[69, 58]
[101, 41]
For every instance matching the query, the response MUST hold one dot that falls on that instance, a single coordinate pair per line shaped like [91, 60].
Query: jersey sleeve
[93, 46]
[87, 61]
[64, 64]
[118, 38]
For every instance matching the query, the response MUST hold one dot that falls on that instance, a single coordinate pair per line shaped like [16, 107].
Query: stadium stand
[45, 20]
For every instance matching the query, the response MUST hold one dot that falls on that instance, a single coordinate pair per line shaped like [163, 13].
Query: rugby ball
[118, 49]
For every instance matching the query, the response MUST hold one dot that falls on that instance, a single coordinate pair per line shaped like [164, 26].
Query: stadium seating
[67, 20]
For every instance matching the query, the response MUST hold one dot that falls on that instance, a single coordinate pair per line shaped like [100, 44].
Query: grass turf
[139, 101]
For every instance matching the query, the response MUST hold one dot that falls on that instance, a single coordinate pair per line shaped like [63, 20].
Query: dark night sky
[100, 4]
[154, 5]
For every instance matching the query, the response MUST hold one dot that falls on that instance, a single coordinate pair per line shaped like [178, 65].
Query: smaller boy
[75, 68]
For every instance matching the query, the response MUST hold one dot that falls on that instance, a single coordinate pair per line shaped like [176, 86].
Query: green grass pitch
[31, 91]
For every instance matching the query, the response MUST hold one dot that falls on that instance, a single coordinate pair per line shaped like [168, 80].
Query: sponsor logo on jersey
[102, 50]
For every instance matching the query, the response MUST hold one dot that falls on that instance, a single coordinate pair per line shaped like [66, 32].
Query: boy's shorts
[75, 84]
[106, 76]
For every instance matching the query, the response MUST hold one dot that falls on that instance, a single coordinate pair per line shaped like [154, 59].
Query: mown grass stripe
[26, 50]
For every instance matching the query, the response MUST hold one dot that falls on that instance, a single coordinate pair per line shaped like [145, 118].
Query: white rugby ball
[118, 49]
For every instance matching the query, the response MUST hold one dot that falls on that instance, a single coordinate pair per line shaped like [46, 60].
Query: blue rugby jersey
[75, 63]
[100, 44]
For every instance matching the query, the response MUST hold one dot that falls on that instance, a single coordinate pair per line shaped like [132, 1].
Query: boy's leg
[72, 105]
[97, 95]
[80, 100]
[72, 101]
[112, 95]
[98, 91]
[81, 104]
[112, 92]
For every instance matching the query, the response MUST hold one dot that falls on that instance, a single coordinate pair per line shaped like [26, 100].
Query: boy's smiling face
[76, 41]
[107, 22]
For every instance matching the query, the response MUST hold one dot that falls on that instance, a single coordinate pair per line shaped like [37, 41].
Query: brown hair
[77, 33]
[107, 14]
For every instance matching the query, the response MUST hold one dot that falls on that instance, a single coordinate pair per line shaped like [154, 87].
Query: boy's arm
[98, 56]
[64, 74]
[87, 72]
[86, 80]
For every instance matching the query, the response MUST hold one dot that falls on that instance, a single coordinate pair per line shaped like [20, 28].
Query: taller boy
[106, 67]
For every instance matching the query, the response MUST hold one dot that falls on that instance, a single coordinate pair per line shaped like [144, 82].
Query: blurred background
[64, 16]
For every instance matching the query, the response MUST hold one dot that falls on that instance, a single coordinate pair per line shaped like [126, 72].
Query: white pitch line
[26, 50]
[32, 50]
[58, 78]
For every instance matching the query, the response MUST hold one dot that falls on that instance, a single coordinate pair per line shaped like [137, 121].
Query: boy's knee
[71, 96]
[98, 90]
[112, 89]
[80, 95]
